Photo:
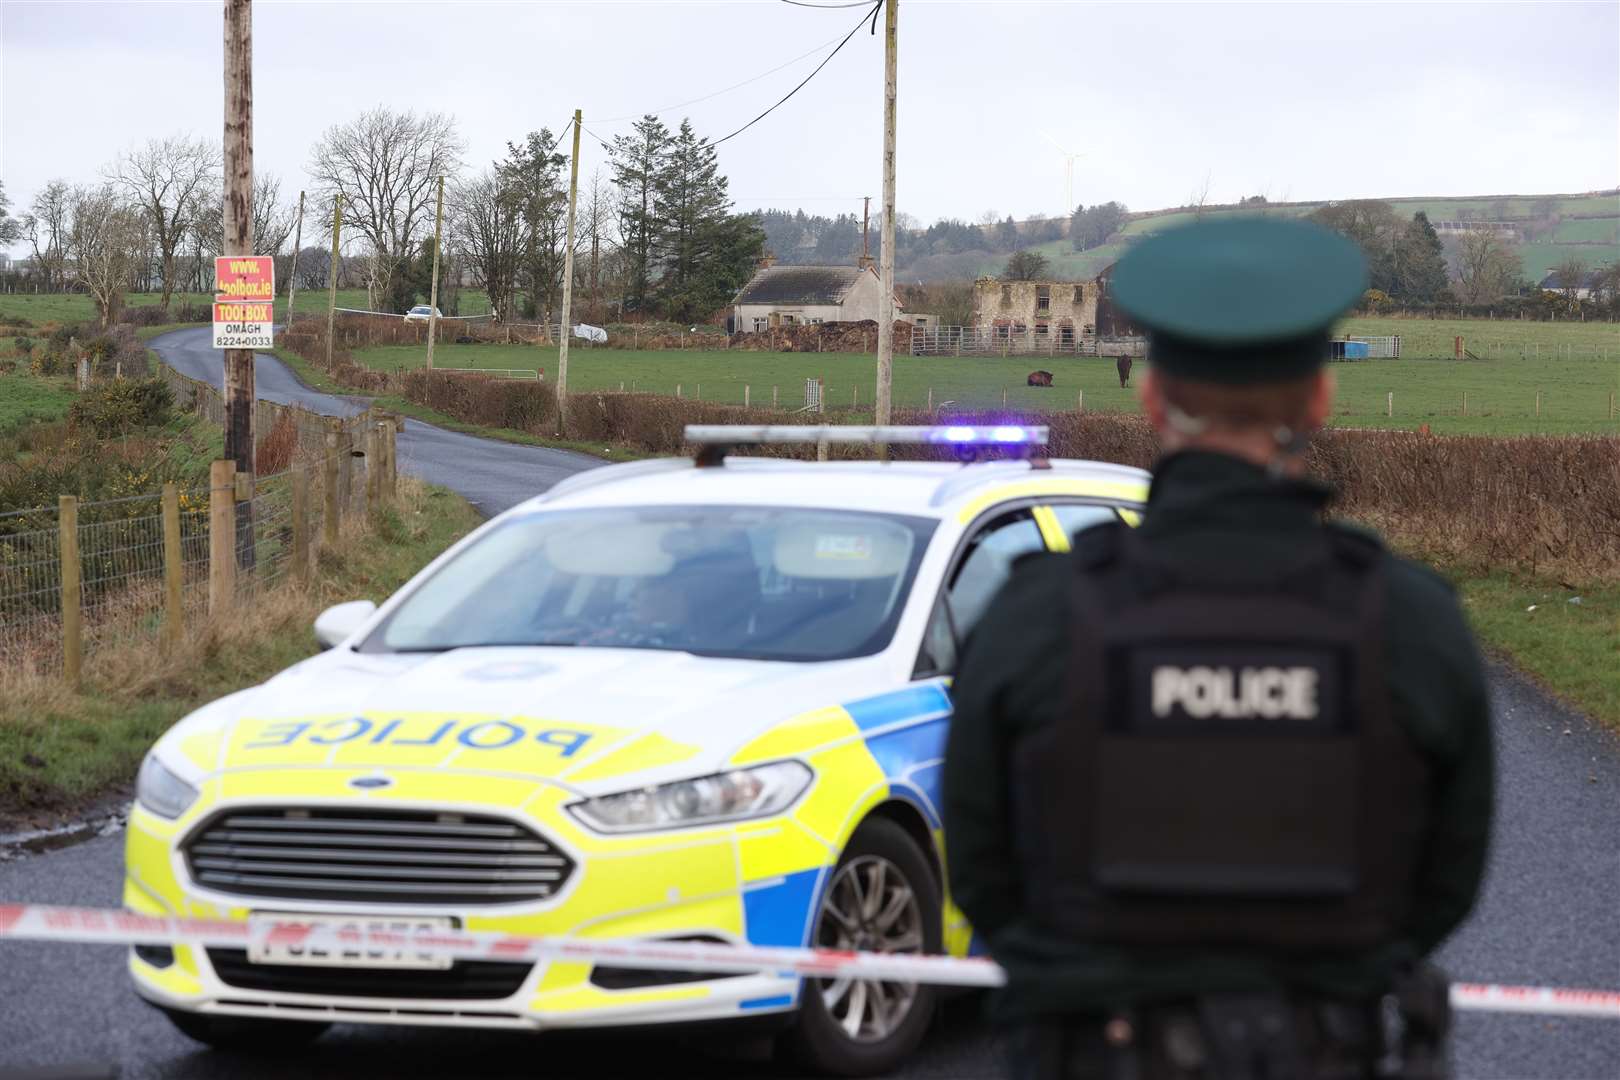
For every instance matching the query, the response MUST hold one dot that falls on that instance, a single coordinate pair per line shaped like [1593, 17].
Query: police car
[668, 700]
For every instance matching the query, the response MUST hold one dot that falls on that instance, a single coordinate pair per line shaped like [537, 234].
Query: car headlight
[727, 796]
[162, 792]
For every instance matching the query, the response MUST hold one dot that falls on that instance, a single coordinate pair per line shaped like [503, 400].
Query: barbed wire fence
[81, 577]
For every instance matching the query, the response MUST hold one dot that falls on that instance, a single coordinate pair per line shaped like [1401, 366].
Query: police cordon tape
[107, 926]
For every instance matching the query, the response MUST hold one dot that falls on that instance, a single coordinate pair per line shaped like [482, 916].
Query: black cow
[1040, 378]
[1122, 364]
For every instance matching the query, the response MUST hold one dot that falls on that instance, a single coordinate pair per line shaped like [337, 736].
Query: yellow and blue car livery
[475, 763]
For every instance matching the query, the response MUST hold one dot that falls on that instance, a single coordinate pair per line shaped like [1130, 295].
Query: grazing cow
[1122, 364]
[1040, 378]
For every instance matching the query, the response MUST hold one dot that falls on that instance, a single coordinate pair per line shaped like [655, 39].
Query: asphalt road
[493, 476]
[1550, 913]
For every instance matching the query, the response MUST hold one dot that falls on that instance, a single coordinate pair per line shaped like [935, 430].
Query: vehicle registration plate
[282, 953]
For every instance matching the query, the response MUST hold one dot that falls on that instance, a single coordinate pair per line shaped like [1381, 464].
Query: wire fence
[82, 577]
[1039, 340]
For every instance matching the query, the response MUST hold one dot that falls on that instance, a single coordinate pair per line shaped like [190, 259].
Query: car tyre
[245, 1032]
[859, 1028]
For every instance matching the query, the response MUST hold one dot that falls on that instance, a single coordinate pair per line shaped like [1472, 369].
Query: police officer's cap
[1240, 300]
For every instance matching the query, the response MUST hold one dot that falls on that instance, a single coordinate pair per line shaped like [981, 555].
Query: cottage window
[813, 322]
[760, 324]
[1079, 295]
[788, 320]
[1006, 296]
[1041, 328]
[1043, 298]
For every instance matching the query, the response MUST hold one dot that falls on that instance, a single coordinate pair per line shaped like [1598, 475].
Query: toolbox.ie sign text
[245, 294]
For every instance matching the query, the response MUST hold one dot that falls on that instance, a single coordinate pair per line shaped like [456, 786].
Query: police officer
[1217, 785]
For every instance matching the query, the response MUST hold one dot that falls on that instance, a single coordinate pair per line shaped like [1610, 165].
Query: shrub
[116, 407]
[14, 320]
[48, 361]
[275, 451]
[25, 344]
[147, 315]
[7, 367]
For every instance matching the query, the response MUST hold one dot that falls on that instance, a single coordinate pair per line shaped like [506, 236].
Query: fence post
[332, 517]
[221, 536]
[371, 468]
[1465, 402]
[67, 524]
[173, 569]
[930, 399]
[393, 460]
[1003, 397]
[300, 524]
[677, 389]
[1080, 402]
[745, 395]
[1389, 405]
[1538, 404]
[1611, 404]
[774, 389]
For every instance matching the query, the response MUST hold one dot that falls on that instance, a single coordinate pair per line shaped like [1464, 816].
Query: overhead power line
[733, 86]
[827, 7]
[856, 29]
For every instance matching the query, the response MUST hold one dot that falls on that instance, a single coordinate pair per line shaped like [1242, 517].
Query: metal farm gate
[1018, 341]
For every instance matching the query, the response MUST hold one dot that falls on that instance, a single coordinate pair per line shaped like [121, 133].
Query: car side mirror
[338, 623]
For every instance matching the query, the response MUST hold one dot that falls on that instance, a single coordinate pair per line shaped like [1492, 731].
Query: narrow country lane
[492, 475]
[1550, 914]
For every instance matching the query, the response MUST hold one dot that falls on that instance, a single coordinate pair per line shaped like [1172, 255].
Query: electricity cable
[733, 86]
[875, 7]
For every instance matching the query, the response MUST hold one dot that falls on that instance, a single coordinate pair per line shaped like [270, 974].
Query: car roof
[918, 488]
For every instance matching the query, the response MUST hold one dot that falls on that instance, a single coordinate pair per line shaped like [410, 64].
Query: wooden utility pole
[866, 231]
[433, 287]
[568, 282]
[332, 274]
[238, 222]
[885, 341]
[292, 274]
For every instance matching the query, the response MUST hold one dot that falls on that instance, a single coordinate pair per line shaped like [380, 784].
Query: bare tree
[386, 164]
[168, 179]
[600, 211]
[486, 218]
[1199, 198]
[1486, 267]
[105, 245]
[1571, 276]
[48, 225]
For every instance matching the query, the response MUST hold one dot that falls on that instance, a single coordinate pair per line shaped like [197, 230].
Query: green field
[1501, 389]
[46, 308]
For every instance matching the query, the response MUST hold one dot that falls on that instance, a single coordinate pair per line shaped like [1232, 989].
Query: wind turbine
[1068, 172]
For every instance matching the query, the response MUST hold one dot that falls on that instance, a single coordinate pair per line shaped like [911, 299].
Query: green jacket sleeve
[1439, 691]
[996, 693]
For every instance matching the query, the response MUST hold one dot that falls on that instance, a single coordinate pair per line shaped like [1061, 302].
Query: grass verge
[316, 379]
[1571, 649]
[60, 750]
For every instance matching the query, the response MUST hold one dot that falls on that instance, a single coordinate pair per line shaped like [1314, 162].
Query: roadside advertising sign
[246, 291]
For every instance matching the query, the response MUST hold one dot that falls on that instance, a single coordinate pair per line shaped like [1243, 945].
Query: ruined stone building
[1061, 313]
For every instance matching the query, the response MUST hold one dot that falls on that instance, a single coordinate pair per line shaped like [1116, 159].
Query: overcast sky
[1295, 101]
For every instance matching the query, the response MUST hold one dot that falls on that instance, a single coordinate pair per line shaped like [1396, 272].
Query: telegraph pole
[332, 274]
[238, 240]
[292, 274]
[885, 341]
[866, 230]
[433, 289]
[568, 281]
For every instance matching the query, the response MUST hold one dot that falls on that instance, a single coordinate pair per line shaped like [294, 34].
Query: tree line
[655, 237]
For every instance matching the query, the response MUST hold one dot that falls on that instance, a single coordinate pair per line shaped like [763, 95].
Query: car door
[980, 566]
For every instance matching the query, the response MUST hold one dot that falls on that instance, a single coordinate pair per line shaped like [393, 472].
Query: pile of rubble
[835, 337]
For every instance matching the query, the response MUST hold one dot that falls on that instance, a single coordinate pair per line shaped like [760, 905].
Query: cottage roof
[799, 285]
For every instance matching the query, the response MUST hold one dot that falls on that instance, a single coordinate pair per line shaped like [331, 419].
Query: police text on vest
[1265, 692]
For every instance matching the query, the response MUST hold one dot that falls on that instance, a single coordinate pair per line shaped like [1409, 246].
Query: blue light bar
[954, 434]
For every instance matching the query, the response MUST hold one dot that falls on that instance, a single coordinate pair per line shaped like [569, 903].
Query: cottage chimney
[865, 262]
[766, 261]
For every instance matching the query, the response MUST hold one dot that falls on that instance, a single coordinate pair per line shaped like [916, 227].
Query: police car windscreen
[769, 583]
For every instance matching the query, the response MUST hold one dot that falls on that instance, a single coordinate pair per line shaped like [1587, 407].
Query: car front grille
[467, 980]
[375, 856]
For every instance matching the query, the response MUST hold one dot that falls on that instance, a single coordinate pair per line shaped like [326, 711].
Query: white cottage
[792, 295]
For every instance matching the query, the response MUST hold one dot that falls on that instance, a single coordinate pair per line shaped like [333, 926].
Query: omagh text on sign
[245, 295]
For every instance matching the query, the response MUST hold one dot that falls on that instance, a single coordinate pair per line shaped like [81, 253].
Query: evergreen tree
[705, 250]
[640, 161]
[1420, 260]
[531, 176]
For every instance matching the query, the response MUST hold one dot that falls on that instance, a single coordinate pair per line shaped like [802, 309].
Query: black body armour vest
[1226, 771]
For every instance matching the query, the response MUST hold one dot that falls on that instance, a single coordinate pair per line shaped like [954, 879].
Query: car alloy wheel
[869, 907]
